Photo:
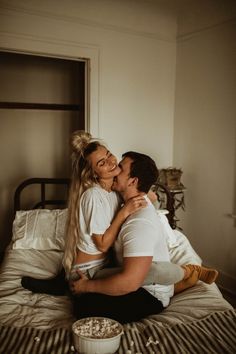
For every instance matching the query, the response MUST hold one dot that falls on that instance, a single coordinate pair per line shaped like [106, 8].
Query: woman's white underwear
[88, 268]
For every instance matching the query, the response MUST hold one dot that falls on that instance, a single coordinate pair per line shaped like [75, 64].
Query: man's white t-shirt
[97, 210]
[142, 235]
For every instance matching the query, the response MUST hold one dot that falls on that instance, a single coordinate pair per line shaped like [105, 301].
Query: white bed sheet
[22, 308]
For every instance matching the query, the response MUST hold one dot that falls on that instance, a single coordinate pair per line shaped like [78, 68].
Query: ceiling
[196, 15]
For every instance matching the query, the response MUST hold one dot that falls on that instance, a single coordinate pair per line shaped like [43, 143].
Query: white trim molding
[89, 23]
[225, 281]
[52, 47]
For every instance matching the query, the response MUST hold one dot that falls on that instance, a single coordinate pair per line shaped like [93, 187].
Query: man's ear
[133, 182]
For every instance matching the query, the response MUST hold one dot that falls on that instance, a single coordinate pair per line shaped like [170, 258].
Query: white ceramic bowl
[97, 335]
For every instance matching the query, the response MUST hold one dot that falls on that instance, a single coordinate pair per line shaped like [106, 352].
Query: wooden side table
[172, 200]
[178, 202]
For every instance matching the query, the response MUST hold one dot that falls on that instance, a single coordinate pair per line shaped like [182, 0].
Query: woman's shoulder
[91, 191]
[97, 192]
[94, 192]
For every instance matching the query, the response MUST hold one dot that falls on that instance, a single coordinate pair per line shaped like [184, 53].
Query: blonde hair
[82, 178]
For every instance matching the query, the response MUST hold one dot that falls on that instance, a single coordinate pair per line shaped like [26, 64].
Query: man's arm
[128, 280]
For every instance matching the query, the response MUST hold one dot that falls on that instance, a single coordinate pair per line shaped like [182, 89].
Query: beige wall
[132, 76]
[133, 82]
[205, 143]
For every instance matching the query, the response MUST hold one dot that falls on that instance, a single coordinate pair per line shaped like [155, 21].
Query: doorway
[42, 100]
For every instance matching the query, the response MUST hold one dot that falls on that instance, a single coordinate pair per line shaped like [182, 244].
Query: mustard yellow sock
[207, 275]
[186, 283]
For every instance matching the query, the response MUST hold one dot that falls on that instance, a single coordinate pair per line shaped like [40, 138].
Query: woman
[95, 215]
[94, 211]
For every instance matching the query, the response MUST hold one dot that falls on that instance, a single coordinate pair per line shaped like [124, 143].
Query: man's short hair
[144, 168]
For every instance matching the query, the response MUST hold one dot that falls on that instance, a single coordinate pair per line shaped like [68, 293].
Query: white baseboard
[225, 281]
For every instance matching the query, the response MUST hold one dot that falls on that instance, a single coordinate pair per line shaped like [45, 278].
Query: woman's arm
[105, 241]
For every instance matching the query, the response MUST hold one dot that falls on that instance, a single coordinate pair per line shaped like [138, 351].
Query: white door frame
[64, 50]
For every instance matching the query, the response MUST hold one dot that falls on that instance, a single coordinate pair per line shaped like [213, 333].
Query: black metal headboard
[44, 201]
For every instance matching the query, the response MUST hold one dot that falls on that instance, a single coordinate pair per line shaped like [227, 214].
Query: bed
[198, 320]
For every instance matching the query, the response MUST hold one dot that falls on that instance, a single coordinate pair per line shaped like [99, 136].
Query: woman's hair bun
[80, 140]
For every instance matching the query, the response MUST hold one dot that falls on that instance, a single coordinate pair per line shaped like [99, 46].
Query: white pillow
[40, 229]
[180, 249]
[183, 252]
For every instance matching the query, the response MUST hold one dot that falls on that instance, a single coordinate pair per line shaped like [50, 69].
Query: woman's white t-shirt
[97, 210]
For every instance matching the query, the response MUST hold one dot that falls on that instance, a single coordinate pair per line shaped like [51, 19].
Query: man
[140, 241]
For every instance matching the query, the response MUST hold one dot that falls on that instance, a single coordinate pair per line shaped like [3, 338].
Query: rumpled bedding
[22, 308]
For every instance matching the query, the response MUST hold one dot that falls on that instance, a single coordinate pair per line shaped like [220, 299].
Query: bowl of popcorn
[97, 335]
